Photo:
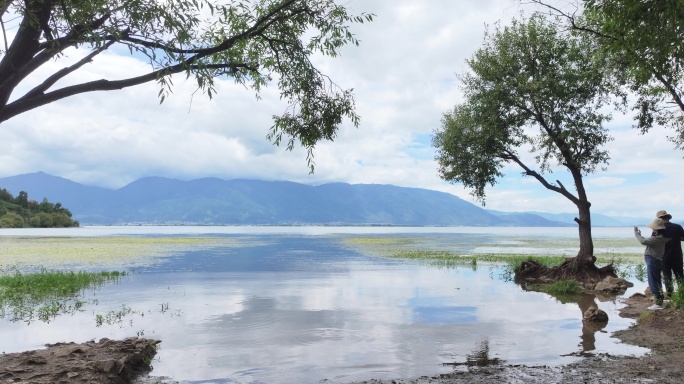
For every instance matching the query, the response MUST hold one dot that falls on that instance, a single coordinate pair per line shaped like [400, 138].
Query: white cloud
[404, 79]
[605, 181]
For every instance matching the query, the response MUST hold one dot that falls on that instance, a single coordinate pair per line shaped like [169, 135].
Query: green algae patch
[101, 251]
[377, 240]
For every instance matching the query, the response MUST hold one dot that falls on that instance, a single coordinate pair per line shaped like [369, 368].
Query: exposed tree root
[581, 270]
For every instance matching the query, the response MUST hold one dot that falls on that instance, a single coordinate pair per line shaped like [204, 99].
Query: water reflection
[480, 357]
[585, 301]
[296, 308]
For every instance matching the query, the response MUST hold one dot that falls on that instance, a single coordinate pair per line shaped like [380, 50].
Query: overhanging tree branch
[252, 41]
[50, 81]
[39, 99]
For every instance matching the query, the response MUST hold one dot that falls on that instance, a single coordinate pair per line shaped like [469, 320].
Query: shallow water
[298, 304]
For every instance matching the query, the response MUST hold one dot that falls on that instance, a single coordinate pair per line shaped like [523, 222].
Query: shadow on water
[479, 357]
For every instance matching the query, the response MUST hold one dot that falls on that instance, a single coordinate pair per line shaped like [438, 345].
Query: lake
[305, 304]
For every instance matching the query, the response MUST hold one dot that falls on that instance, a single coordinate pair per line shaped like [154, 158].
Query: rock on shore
[106, 361]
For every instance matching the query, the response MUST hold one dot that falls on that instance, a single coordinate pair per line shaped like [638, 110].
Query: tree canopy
[645, 43]
[646, 40]
[19, 212]
[253, 42]
[531, 88]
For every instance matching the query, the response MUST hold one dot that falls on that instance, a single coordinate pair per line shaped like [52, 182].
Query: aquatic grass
[640, 272]
[510, 250]
[465, 259]
[423, 254]
[562, 287]
[116, 317]
[470, 262]
[515, 260]
[378, 240]
[51, 283]
[46, 293]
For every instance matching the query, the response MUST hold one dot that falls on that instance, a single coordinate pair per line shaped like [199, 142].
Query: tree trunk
[586, 248]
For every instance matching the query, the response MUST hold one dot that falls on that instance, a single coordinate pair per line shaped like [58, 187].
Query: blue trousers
[654, 268]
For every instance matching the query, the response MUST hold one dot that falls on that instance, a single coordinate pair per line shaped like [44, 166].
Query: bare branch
[670, 89]
[46, 51]
[78, 31]
[529, 172]
[26, 104]
[50, 81]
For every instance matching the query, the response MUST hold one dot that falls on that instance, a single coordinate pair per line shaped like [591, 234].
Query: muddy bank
[106, 361]
[661, 331]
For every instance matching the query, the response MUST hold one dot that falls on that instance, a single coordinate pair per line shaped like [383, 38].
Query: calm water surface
[300, 305]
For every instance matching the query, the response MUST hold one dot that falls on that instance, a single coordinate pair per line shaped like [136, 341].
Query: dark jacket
[673, 249]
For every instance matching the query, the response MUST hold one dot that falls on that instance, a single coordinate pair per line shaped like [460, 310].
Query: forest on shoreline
[21, 212]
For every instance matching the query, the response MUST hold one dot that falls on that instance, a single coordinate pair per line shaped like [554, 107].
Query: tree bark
[586, 248]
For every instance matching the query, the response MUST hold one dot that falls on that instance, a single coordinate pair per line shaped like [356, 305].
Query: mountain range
[213, 201]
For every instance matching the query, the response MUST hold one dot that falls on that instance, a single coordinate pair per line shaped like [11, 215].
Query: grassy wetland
[43, 277]
[43, 294]
[472, 250]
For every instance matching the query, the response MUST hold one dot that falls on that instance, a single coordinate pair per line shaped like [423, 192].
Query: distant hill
[212, 201]
[597, 219]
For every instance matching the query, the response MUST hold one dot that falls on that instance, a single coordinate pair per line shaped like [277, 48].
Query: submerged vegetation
[45, 293]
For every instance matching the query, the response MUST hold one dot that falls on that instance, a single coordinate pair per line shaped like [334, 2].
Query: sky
[404, 76]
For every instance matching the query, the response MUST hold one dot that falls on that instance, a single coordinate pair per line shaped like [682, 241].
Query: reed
[46, 293]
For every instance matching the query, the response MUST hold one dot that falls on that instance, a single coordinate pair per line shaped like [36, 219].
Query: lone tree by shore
[532, 88]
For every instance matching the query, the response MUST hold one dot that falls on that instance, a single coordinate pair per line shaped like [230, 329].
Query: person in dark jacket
[653, 256]
[672, 258]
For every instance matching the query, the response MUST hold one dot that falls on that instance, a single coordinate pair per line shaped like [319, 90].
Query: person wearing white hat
[653, 256]
[672, 258]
